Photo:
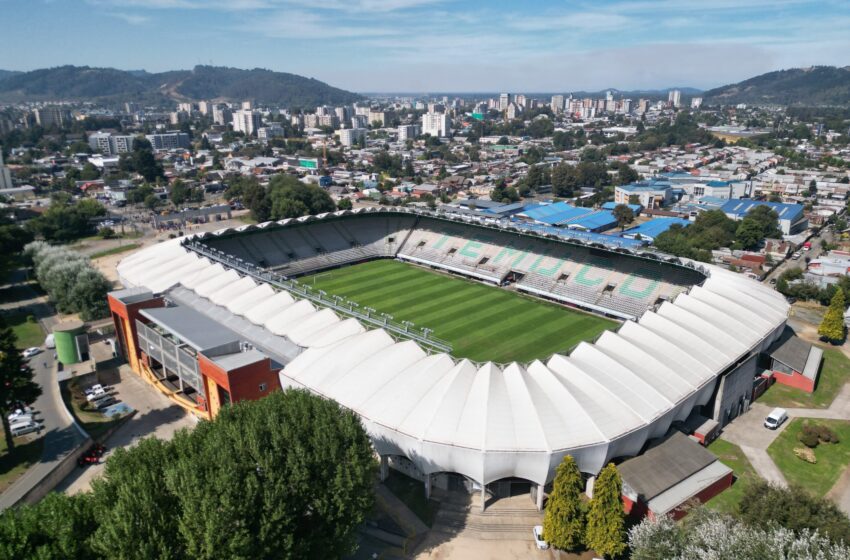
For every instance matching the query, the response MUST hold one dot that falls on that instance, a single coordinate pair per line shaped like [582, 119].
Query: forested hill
[201, 83]
[814, 86]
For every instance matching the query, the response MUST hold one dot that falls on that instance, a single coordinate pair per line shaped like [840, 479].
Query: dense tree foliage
[16, 384]
[567, 180]
[142, 161]
[764, 505]
[605, 519]
[54, 528]
[66, 219]
[624, 215]
[564, 521]
[706, 534]
[288, 476]
[761, 223]
[290, 198]
[70, 280]
[683, 130]
[711, 230]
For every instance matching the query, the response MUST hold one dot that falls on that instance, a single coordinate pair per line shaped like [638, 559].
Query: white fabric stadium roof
[487, 422]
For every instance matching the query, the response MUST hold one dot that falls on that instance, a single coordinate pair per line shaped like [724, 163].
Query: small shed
[674, 472]
[795, 362]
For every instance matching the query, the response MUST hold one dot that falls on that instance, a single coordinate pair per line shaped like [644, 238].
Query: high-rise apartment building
[408, 132]
[504, 101]
[5, 175]
[222, 115]
[246, 121]
[171, 140]
[436, 124]
[348, 137]
[111, 144]
[52, 116]
[557, 104]
[674, 98]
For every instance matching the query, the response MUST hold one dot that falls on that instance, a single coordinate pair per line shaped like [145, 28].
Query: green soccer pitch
[482, 323]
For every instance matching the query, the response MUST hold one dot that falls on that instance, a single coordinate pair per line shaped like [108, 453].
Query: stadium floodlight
[387, 318]
[321, 292]
[407, 325]
[369, 311]
[426, 331]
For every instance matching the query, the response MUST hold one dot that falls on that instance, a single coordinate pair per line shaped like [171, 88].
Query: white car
[96, 394]
[30, 352]
[23, 428]
[538, 538]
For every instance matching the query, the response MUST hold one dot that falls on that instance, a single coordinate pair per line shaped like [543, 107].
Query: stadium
[587, 350]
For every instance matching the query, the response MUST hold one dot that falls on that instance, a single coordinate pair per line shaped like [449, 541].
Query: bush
[30, 318]
[825, 434]
[808, 436]
[107, 233]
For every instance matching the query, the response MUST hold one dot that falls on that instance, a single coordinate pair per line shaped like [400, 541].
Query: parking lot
[155, 416]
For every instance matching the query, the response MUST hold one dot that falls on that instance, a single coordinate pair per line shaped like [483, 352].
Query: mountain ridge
[810, 86]
[213, 83]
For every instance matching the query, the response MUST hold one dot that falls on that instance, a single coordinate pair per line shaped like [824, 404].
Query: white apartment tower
[436, 124]
[246, 121]
[557, 104]
[674, 98]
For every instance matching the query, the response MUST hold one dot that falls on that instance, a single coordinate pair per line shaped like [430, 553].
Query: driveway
[748, 433]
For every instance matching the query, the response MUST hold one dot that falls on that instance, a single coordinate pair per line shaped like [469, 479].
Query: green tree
[344, 204]
[563, 524]
[56, 527]
[290, 198]
[16, 384]
[605, 518]
[760, 223]
[765, 505]
[288, 476]
[624, 215]
[180, 193]
[136, 513]
[832, 326]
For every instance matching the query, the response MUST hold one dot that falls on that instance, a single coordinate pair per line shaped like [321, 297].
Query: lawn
[115, 250]
[482, 323]
[732, 456]
[13, 465]
[29, 333]
[92, 421]
[832, 459]
[834, 374]
[412, 493]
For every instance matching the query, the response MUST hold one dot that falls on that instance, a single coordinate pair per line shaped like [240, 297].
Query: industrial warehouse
[222, 317]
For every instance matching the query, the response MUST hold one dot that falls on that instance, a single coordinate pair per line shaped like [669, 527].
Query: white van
[775, 418]
[24, 428]
[49, 342]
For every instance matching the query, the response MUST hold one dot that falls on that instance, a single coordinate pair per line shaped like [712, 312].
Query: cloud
[132, 19]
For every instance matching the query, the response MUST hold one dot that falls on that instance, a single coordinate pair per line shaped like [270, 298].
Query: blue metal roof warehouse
[653, 228]
[791, 216]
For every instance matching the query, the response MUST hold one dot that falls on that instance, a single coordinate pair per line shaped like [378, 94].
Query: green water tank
[67, 347]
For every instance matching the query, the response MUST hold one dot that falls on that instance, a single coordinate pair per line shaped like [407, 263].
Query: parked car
[24, 428]
[538, 538]
[49, 341]
[775, 419]
[20, 418]
[95, 393]
[92, 456]
[30, 352]
[105, 401]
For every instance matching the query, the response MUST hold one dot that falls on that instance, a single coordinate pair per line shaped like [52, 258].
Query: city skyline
[438, 45]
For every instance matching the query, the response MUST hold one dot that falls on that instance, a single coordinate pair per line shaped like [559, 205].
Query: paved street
[61, 434]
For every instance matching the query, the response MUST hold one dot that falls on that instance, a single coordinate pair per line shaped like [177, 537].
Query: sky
[438, 45]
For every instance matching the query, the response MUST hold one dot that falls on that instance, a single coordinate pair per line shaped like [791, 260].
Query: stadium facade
[689, 342]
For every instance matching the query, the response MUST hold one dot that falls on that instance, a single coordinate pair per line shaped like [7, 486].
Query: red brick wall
[242, 383]
[796, 380]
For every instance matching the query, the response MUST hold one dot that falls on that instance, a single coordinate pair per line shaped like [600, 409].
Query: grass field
[28, 333]
[481, 322]
[731, 456]
[832, 458]
[834, 374]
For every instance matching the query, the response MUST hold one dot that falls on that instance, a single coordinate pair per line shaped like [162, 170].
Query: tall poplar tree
[563, 524]
[605, 517]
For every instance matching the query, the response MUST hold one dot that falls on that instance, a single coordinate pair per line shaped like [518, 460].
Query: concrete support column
[589, 490]
[427, 486]
[385, 467]
[483, 497]
[539, 497]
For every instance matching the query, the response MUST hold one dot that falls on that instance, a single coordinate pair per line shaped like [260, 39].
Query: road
[825, 235]
[61, 434]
